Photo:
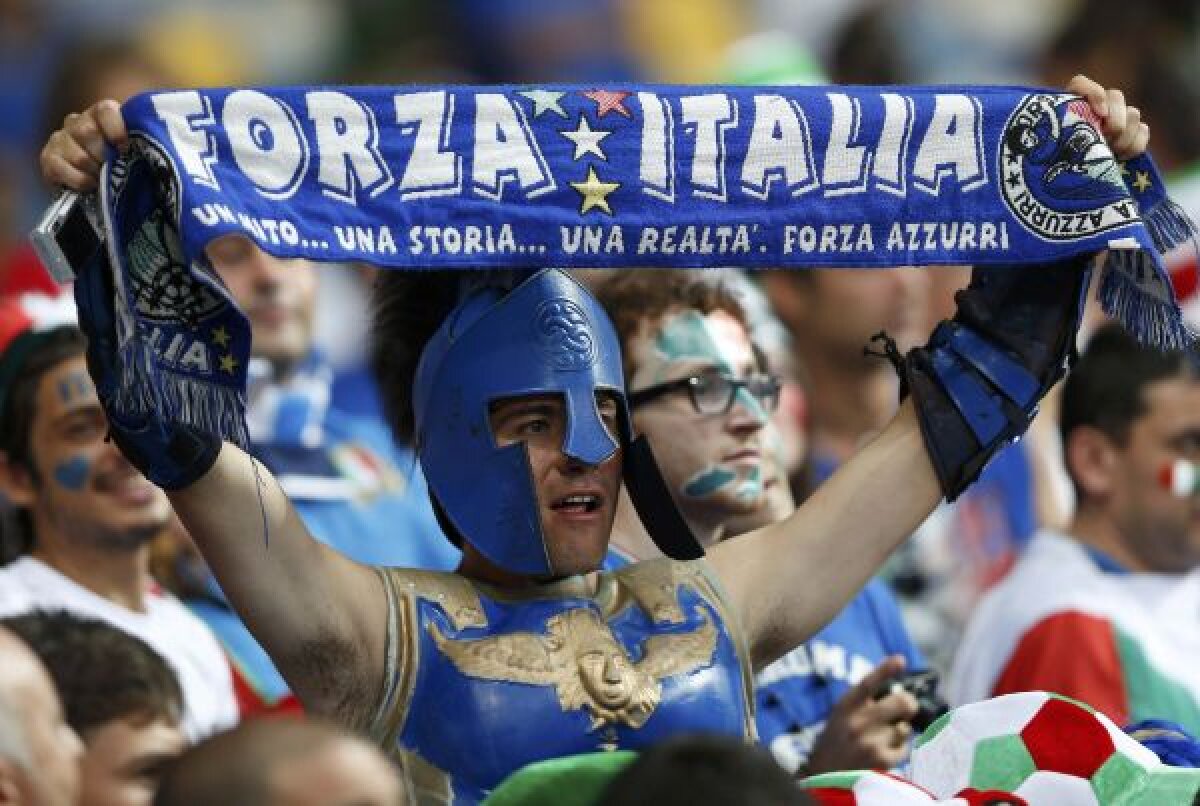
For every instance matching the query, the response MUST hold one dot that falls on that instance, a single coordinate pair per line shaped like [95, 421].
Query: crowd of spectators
[1073, 566]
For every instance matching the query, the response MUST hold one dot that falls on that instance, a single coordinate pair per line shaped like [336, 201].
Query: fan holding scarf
[511, 381]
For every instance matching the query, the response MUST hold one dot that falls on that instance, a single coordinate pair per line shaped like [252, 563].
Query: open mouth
[577, 504]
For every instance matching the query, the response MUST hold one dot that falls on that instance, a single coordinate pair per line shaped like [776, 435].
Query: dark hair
[703, 770]
[1104, 390]
[16, 421]
[102, 673]
[407, 309]
[633, 298]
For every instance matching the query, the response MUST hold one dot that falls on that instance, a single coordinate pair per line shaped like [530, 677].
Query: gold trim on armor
[733, 624]
[387, 690]
[425, 784]
[454, 594]
[632, 691]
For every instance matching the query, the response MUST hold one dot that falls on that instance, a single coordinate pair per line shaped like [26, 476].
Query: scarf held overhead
[576, 177]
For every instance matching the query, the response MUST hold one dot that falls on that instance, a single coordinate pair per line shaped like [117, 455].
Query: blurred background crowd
[58, 56]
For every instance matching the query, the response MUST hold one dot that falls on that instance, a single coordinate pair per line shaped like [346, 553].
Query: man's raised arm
[321, 617]
[971, 390]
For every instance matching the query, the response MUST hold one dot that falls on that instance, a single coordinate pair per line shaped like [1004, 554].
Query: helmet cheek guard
[548, 336]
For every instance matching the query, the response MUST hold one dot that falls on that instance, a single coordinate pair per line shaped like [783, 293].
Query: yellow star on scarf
[220, 337]
[1141, 181]
[228, 364]
[545, 101]
[594, 192]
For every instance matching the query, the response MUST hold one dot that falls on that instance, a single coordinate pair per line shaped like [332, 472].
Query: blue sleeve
[891, 624]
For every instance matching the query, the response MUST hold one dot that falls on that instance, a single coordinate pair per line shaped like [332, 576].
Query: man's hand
[863, 732]
[1120, 123]
[73, 155]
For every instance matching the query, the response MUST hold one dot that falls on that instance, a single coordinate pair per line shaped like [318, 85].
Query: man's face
[278, 296]
[577, 502]
[54, 750]
[81, 487]
[342, 771]
[714, 463]
[1161, 529]
[124, 759]
[842, 308]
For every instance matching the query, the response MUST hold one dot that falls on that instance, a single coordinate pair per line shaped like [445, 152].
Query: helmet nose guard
[586, 439]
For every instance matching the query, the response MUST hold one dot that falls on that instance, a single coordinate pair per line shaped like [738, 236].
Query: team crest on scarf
[1058, 176]
[176, 324]
[159, 281]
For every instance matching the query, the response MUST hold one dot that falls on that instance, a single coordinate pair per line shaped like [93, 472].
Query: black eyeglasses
[714, 393]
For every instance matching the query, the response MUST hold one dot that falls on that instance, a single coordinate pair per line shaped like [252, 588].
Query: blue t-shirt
[795, 694]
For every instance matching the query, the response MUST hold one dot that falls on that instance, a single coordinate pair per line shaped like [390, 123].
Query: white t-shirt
[183, 640]
[1127, 643]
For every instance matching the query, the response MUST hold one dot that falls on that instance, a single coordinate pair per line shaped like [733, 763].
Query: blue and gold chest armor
[483, 681]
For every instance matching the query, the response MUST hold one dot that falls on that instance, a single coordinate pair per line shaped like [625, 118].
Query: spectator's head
[686, 349]
[121, 698]
[832, 313]
[281, 762]
[699, 771]
[39, 753]
[279, 297]
[72, 486]
[1128, 414]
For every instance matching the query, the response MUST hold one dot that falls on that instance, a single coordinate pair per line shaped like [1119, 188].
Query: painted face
[277, 296]
[124, 761]
[340, 771]
[1161, 529]
[713, 462]
[577, 502]
[83, 488]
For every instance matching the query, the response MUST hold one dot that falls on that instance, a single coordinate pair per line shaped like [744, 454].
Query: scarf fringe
[1170, 226]
[1124, 295]
[149, 390]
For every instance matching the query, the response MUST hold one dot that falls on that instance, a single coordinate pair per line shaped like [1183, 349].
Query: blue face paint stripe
[752, 487]
[73, 386]
[72, 473]
[687, 336]
[708, 482]
[752, 405]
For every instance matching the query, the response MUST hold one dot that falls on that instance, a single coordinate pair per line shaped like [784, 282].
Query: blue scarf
[495, 177]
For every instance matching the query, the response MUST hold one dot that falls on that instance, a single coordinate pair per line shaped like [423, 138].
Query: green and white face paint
[712, 460]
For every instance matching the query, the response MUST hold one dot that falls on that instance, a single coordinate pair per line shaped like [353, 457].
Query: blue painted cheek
[72, 473]
[708, 482]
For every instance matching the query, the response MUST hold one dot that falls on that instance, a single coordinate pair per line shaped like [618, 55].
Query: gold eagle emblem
[585, 663]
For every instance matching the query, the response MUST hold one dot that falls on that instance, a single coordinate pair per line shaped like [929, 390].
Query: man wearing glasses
[702, 394]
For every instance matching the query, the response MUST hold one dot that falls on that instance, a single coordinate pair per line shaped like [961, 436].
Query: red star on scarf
[609, 101]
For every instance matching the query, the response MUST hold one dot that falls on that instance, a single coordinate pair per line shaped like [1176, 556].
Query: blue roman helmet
[547, 335]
